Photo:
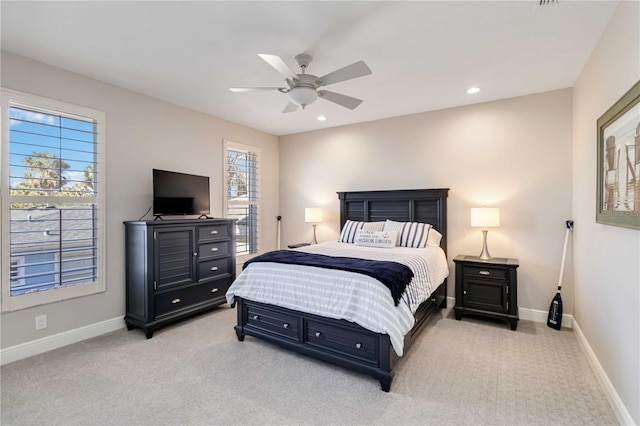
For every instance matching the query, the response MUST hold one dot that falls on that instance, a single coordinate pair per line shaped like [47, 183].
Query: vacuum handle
[569, 224]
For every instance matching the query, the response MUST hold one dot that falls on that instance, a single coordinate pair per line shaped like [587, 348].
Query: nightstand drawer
[485, 272]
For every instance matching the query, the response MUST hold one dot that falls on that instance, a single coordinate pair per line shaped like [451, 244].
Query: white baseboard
[529, 314]
[624, 418]
[536, 315]
[35, 347]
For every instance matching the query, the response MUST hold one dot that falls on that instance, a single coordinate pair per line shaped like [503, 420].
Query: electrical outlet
[41, 322]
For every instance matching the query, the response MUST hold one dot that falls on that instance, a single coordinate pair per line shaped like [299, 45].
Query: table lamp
[313, 215]
[485, 217]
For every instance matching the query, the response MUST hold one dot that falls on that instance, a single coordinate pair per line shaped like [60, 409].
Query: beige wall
[514, 154]
[607, 269]
[142, 133]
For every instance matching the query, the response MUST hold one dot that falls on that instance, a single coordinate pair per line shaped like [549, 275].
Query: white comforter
[347, 295]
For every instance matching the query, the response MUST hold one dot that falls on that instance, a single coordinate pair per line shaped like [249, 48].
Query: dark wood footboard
[337, 341]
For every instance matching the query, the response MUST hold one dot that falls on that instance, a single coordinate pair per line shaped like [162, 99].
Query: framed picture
[618, 186]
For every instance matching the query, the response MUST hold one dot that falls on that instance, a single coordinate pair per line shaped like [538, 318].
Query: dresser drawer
[166, 303]
[213, 232]
[217, 249]
[213, 268]
[341, 340]
[271, 321]
[485, 272]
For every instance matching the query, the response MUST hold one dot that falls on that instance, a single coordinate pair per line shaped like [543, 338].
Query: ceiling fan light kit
[303, 87]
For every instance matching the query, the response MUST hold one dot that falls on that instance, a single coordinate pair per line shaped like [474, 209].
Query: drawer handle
[214, 268]
[484, 272]
[214, 232]
[255, 317]
[174, 301]
[214, 290]
[214, 248]
[433, 300]
[318, 334]
[285, 325]
[358, 345]
[195, 254]
[464, 292]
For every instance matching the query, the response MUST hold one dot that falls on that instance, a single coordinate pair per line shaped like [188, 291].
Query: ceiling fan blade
[280, 65]
[290, 107]
[359, 69]
[254, 89]
[344, 100]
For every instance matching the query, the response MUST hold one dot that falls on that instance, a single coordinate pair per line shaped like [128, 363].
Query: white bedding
[347, 295]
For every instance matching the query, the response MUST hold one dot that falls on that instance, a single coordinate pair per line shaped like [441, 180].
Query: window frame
[12, 303]
[235, 146]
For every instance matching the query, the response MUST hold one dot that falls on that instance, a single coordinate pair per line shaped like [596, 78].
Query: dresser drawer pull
[464, 292]
[214, 268]
[484, 272]
[174, 301]
[358, 345]
[255, 317]
[214, 290]
[433, 300]
[285, 325]
[195, 254]
[214, 248]
[214, 232]
[318, 334]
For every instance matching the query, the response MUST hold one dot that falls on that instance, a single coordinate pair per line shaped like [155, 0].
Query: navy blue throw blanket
[395, 276]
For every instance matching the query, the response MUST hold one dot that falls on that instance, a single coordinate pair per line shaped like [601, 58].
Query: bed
[343, 342]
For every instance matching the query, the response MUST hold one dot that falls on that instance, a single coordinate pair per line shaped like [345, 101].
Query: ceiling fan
[303, 88]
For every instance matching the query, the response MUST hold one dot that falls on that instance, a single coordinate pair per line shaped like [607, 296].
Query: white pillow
[381, 239]
[414, 234]
[348, 233]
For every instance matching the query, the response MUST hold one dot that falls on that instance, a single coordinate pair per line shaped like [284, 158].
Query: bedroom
[534, 199]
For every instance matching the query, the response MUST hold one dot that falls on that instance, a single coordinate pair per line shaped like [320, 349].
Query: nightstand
[487, 288]
[296, 245]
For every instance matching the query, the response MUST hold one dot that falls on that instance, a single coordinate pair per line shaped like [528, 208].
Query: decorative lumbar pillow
[348, 233]
[413, 234]
[381, 239]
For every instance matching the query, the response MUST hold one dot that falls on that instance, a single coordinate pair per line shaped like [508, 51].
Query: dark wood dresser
[176, 268]
[487, 287]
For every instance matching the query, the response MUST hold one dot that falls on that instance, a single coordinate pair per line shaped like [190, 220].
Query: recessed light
[472, 90]
[321, 118]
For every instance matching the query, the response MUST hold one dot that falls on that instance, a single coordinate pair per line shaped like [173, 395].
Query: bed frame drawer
[342, 340]
[271, 321]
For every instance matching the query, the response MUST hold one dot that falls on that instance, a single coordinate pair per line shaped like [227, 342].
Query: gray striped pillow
[410, 234]
[350, 227]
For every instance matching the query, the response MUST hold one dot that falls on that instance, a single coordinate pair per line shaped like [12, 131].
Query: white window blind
[242, 181]
[52, 168]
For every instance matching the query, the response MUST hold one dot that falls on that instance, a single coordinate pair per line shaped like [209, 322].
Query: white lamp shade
[313, 214]
[485, 217]
[303, 96]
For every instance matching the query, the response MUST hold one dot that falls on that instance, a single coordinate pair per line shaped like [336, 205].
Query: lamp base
[314, 241]
[485, 252]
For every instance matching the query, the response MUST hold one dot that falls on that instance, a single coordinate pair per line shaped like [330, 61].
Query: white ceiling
[423, 55]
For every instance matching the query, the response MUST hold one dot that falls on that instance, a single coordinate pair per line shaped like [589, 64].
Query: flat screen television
[180, 194]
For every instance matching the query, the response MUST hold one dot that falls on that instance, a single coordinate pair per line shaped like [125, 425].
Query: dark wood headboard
[405, 205]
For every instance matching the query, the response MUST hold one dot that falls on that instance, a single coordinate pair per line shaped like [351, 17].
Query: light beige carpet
[197, 373]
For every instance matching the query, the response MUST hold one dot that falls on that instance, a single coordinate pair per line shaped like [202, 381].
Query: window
[242, 195]
[52, 208]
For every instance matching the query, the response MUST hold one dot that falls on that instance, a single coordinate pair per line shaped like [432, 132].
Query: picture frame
[618, 162]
